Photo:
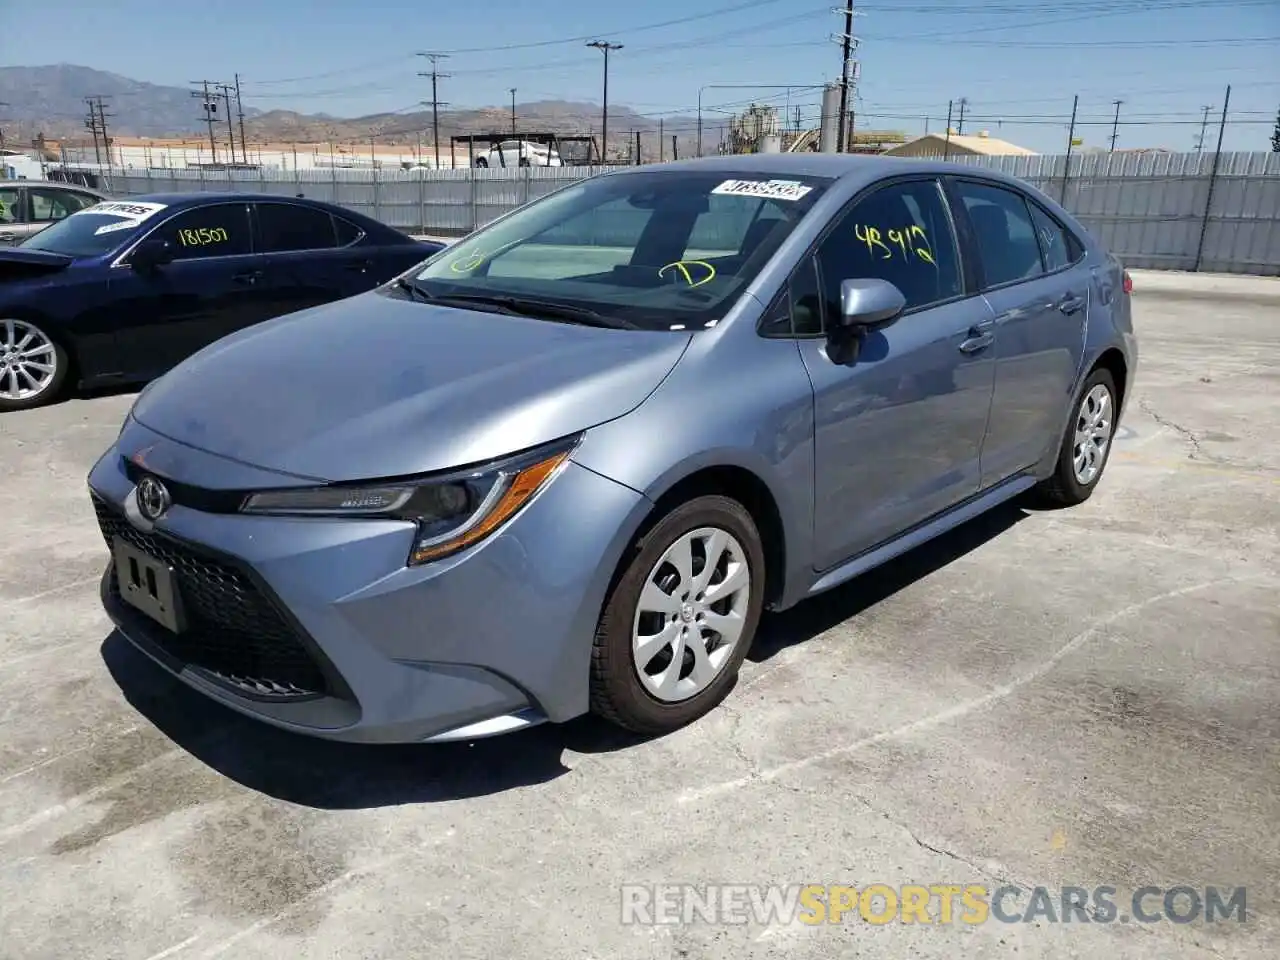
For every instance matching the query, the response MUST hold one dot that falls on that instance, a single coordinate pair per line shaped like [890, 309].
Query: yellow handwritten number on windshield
[682, 267]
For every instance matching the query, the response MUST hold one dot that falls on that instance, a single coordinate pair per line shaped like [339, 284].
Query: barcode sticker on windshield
[768, 189]
[131, 213]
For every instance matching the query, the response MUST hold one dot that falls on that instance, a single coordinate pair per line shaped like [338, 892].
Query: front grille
[234, 633]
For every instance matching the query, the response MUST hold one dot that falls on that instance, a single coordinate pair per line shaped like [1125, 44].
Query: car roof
[834, 165]
[179, 201]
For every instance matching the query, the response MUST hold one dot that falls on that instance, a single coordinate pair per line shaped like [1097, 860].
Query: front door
[1040, 301]
[212, 287]
[899, 428]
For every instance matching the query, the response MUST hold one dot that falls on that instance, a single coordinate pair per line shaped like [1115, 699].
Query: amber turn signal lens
[519, 490]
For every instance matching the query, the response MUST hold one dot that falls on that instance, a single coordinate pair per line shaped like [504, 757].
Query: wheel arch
[1112, 360]
[740, 484]
[50, 327]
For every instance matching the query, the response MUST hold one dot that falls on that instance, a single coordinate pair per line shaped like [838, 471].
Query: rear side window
[285, 227]
[1005, 233]
[218, 230]
[348, 232]
[1059, 248]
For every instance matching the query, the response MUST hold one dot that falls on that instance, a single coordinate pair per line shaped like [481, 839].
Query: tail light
[1127, 283]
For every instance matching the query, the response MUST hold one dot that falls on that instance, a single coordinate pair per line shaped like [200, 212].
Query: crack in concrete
[1197, 450]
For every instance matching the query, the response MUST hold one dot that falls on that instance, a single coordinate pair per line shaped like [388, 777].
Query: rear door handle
[1071, 303]
[248, 276]
[980, 337]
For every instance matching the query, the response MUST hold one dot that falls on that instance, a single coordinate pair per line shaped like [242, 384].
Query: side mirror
[150, 254]
[869, 303]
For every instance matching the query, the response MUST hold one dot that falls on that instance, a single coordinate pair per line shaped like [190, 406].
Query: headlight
[452, 512]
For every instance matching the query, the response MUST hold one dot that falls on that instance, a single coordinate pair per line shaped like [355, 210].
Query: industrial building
[958, 145]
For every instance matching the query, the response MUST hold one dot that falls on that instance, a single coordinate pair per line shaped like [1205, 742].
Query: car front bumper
[317, 625]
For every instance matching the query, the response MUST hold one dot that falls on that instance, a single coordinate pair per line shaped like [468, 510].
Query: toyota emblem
[153, 498]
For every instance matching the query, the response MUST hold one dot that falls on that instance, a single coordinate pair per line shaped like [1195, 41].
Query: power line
[436, 104]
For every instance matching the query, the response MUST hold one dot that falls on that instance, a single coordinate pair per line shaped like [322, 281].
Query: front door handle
[980, 337]
[248, 276]
[1071, 303]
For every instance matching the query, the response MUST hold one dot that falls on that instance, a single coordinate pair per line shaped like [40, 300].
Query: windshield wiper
[542, 309]
[411, 288]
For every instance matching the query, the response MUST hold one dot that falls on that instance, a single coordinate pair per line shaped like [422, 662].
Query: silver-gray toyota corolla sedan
[565, 463]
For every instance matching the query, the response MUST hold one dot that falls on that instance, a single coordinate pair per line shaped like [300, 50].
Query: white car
[519, 153]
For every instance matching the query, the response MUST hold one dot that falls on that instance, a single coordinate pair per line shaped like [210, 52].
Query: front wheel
[1086, 445]
[32, 365]
[679, 622]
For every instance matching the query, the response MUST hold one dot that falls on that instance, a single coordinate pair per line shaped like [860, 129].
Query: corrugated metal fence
[1158, 211]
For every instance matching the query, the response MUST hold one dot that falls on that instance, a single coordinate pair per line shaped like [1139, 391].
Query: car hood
[374, 386]
[17, 263]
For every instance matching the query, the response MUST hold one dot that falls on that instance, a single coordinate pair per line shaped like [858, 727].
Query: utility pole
[964, 102]
[244, 144]
[1115, 125]
[4, 104]
[436, 103]
[847, 44]
[946, 149]
[92, 124]
[1204, 122]
[1071, 140]
[662, 143]
[604, 46]
[210, 111]
[1213, 179]
[225, 90]
[513, 112]
[97, 125]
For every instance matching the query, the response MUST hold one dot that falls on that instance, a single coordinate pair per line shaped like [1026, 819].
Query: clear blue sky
[1017, 61]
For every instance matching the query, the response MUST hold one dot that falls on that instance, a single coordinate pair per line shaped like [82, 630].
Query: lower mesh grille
[234, 632]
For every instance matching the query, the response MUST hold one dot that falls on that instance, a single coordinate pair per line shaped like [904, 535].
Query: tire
[482, 162]
[1068, 485]
[25, 351]
[646, 704]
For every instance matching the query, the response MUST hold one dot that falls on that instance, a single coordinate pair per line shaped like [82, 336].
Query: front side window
[900, 233]
[48, 206]
[663, 250]
[286, 226]
[1006, 236]
[218, 230]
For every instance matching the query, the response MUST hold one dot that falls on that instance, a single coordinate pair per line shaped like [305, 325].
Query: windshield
[94, 230]
[663, 250]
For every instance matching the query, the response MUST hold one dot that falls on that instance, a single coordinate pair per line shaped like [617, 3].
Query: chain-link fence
[1179, 211]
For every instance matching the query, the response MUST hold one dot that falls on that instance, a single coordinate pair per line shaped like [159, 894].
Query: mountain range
[50, 101]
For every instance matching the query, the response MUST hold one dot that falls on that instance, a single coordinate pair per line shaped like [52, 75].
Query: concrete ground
[1087, 697]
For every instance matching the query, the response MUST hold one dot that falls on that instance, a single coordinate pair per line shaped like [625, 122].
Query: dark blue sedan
[123, 290]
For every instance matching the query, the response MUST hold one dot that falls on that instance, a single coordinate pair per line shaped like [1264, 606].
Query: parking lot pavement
[1087, 697]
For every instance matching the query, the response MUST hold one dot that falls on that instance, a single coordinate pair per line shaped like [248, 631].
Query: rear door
[1040, 301]
[212, 287]
[305, 264]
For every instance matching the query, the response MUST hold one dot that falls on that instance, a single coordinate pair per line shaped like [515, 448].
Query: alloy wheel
[691, 614]
[1094, 423]
[28, 360]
